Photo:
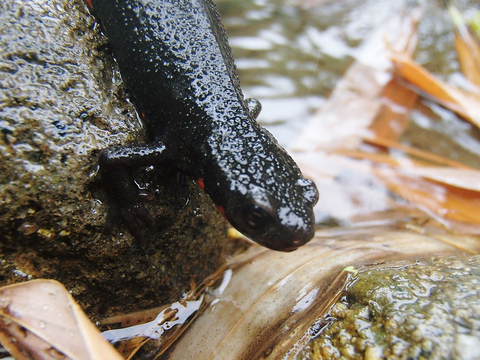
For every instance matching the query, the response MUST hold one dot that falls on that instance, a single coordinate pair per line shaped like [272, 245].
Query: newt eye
[257, 218]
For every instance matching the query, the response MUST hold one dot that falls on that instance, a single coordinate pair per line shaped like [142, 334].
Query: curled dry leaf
[273, 298]
[40, 320]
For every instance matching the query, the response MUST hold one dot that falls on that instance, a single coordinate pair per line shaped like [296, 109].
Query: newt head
[264, 194]
[279, 224]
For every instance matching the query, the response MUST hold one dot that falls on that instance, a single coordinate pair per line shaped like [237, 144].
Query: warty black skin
[176, 62]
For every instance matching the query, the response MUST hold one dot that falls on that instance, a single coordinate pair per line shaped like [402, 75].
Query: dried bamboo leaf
[468, 48]
[443, 192]
[51, 323]
[469, 55]
[348, 187]
[421, 154]
[357, 97]
[273, 297]
[393, 118]
[467, 179]
[137, 317]
[465, 104]
[443, 200]
[379, 157]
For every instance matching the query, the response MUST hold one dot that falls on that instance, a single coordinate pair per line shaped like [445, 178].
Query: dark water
[291, 53]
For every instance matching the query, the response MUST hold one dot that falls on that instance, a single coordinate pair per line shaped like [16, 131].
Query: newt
[177, 65]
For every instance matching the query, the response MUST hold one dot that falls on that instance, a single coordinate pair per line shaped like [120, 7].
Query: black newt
[177, 65]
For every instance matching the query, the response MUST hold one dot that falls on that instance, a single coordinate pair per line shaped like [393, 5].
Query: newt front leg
[116, 166]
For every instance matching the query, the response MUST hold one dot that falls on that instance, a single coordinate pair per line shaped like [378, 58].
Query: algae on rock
[428, 310]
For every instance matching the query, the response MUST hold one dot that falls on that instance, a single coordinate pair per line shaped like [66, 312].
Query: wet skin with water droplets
[176, 62]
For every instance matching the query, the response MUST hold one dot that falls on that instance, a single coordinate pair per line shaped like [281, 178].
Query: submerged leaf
[40, 320]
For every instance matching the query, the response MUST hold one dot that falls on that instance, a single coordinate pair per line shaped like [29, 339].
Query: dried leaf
[467, 179]
[465, 104]
[357, 98]
[348, 187]
[468, 48]
[421, 154]
[451, 193]
[137, 317]
[439, 199]
[393, 118]
[46, 323]
[469, 55]
[273, 298]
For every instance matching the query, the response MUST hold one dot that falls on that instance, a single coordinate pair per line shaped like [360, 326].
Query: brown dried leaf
[348, 187]
[40, 320]
[446, 197]
[444, 192]
[357, 97]
[418, 153]
[467, 105]
[467, 179]
[393, 118]
[468, 48]
[273, 298]
[469, 55]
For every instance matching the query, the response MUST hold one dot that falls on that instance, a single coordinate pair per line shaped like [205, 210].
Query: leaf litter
[40, 320]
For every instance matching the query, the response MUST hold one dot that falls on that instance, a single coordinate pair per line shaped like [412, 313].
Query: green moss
[429, 310]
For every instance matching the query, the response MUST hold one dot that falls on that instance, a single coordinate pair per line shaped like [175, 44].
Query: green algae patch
[428, 310]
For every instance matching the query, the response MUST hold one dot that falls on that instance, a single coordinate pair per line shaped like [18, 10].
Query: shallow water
[291, 53]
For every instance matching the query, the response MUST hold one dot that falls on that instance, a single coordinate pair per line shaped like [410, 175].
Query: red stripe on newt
[221, 209]
[201, 183]
[89, 3]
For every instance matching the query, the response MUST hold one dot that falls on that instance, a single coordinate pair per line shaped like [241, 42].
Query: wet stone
[428, 310]
[61, 102]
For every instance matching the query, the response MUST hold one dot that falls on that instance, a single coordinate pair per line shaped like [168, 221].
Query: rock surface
[429, 310]
[62, 101]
